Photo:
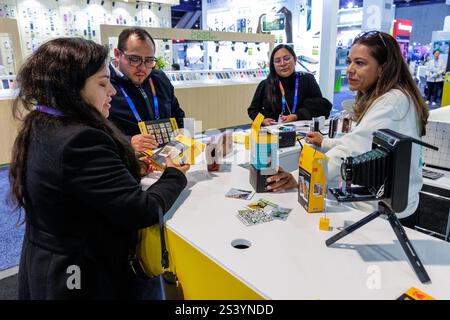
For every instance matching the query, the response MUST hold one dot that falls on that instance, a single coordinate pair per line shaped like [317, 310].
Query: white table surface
[289, 259]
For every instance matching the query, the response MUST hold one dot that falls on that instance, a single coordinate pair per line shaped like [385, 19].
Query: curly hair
[55, 76]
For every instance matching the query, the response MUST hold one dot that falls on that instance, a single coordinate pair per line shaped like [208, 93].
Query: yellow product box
[312, 179]
[415, 294]
[241, 137]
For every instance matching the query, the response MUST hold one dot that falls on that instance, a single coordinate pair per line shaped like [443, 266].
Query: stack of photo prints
[257, 212]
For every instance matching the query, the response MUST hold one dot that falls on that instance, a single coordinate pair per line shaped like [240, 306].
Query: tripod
[399, 232]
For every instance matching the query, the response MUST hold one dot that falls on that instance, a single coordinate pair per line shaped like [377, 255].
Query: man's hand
[281, 180]
[289, 118]
[170, 164]
[142, 142]
[268, 122]
[315, 138]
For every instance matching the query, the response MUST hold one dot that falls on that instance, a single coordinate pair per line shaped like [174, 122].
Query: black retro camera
[382, 174]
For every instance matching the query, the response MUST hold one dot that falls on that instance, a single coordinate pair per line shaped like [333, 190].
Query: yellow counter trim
[201, 278]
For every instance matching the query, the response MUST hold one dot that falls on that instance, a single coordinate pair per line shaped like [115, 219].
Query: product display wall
[45, 19]
[293, 22]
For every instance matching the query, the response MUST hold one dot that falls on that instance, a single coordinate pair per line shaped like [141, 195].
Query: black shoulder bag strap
[167, 281]
[164, 252]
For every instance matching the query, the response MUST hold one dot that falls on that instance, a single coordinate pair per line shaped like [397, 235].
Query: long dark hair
[395, 74]
[54, 76]
[273, 93]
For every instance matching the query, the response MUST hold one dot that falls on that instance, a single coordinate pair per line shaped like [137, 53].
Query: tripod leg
[408, 248]
[352, 228]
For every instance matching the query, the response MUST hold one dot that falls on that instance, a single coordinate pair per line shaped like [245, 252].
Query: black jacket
[310, 102]
[120, 112]
[84, 210]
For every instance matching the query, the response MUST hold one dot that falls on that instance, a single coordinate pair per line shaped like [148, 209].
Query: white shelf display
[8, 87]
[216, 77]
[7, 63]
[8, 9]
[237, 55]
[42, 20]
[297, 23]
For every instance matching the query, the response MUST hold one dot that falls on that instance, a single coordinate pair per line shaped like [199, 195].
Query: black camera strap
[164, 252]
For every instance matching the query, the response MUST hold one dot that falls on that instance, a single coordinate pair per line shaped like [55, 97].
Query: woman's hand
[146, 166]
[268, 122]
[289, 118]
[315, 138]
[281, 180]
[170, 164]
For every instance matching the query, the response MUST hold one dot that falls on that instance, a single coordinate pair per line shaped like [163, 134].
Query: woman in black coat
[77, 178]
[287, 95]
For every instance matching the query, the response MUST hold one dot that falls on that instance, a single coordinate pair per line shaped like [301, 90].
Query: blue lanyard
[49, 110]
[131, 104]
[283, 96]
[155, 99]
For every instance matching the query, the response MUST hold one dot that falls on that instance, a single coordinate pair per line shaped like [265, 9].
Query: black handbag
[164, 286]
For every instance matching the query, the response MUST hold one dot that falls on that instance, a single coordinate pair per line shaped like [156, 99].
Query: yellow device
[311, 179]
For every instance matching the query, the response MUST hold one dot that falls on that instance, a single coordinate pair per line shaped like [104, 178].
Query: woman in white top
[387, 97]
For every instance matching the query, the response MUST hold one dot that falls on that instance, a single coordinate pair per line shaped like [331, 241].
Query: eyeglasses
[136, 61]
[370, 34]
[284, 59]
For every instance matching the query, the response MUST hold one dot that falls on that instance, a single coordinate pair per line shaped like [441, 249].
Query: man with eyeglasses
[143, 92]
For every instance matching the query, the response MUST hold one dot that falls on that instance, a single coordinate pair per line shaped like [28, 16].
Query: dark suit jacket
[84, 210]
[120, 112]
[310, 102]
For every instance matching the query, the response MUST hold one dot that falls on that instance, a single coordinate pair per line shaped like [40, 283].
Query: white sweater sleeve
[385, 112]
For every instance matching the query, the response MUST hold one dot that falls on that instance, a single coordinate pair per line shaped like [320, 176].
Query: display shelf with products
[191, 78]
[40, 21]
[7, 86]
[203, 50]
[10, 52]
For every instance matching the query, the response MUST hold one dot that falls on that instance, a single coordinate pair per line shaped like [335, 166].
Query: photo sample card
[239, 194]
[253, 217]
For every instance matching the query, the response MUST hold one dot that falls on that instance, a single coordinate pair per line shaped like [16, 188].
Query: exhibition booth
[215, 250]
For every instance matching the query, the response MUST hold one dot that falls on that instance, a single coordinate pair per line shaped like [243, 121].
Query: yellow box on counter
[241, 137]
[312, 179]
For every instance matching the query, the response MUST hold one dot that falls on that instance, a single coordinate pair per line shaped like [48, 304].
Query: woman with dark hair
[387, 97]
[287, 95]
[77, 178]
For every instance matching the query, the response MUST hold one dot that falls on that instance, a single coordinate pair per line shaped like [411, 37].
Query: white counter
[289, 259]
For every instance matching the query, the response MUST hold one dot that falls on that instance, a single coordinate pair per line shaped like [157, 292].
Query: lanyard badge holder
[284, 103]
